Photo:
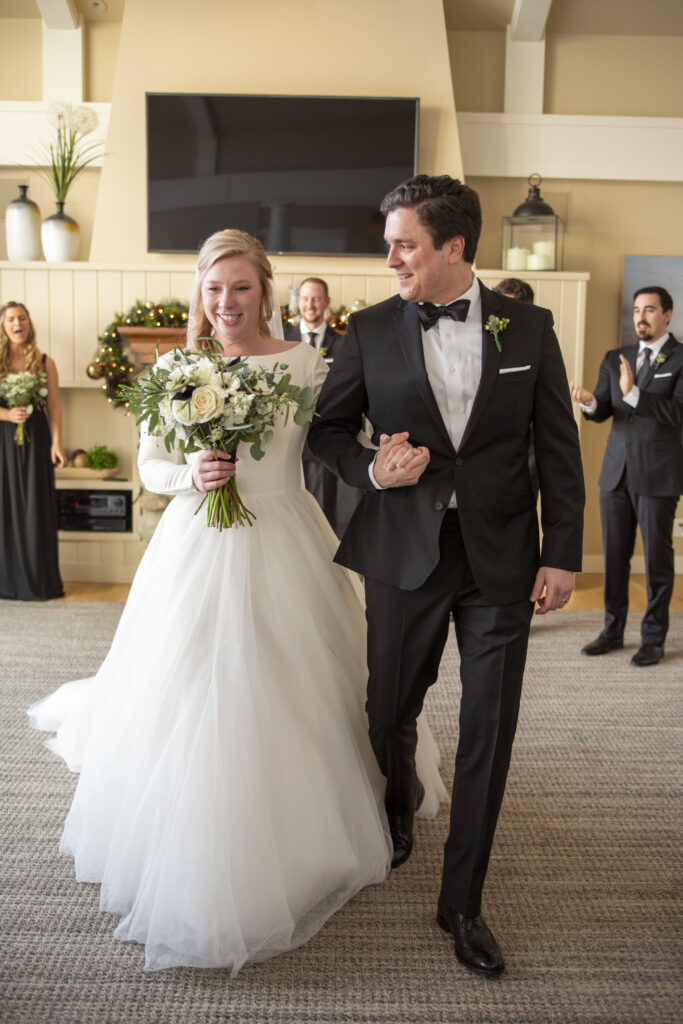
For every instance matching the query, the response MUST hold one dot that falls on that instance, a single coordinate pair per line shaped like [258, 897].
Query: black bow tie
[429, 313]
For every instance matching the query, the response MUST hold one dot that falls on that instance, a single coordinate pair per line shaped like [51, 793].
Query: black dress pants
[407, 632]
[621, 511]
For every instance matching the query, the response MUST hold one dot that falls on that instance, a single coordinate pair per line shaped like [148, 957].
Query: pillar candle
[539, 261]
[516, 258]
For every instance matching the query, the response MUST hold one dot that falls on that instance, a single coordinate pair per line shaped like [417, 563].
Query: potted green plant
[62, 158]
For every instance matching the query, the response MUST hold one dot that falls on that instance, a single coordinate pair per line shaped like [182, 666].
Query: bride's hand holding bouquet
[204, 404]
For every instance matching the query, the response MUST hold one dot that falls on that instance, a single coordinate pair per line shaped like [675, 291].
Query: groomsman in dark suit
[313, 302]
[641, 388]
[447, 523]
[335, 498]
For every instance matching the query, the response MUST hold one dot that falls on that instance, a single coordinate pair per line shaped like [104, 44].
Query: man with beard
[641, 388]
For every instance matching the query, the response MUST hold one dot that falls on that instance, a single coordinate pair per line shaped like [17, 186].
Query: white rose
[207, 403]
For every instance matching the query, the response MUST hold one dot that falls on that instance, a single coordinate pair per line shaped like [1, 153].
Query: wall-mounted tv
[304, 174]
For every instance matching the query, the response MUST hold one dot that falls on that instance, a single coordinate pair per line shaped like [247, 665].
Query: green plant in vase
[61, 159]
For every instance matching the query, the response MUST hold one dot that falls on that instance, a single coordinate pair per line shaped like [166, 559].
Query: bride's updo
[218, 246]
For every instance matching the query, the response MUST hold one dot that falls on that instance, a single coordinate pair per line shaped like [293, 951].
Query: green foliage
[101, 457]
[111, 364]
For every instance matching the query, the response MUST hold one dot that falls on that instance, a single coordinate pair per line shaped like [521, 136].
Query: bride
[228, 800]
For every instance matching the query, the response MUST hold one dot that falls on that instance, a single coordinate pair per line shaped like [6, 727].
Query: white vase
[60, 235]
[22, 229]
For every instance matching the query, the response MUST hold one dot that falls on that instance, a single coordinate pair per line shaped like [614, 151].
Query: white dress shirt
[452, 354]
[319, 332]
[632, 397]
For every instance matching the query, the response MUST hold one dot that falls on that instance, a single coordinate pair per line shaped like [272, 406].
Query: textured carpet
[582, 889]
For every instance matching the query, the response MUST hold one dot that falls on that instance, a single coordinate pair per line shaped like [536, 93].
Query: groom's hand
[552, 589]
[398, 463]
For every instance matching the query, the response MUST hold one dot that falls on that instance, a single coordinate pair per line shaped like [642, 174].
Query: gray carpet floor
[583, 887]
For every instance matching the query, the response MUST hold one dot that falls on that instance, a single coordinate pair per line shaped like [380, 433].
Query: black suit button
[438, 505]
[459, 461]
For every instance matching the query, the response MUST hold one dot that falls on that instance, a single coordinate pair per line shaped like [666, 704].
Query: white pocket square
[662, 375]
[514, 369]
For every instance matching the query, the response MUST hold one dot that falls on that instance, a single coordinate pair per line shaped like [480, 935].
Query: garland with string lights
[111, 364]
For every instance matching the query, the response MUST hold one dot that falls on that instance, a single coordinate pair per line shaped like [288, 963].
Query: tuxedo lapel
[410, 341]
[490, 360]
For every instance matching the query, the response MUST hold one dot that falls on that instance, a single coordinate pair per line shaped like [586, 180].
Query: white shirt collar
[655, 346]
[305, 329]
[473, 294]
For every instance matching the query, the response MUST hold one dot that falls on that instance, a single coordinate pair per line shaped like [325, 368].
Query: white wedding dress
[228, 799]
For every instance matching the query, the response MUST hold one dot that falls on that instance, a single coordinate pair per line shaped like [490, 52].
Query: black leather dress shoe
[648, 654]
[474, 942]
[602, 645]
[401, 828]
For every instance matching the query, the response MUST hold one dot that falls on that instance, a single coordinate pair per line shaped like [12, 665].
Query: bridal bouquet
[24, 389]
[205, 403]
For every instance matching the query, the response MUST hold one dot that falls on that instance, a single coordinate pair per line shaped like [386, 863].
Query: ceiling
[570, 17]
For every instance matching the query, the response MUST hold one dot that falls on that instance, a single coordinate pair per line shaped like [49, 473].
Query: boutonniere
[661, 358]
[323, 351]
[496, 326]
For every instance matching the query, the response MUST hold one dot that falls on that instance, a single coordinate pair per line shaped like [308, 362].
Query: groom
[447, 522]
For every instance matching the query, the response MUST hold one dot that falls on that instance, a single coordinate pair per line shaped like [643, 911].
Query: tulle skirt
[228, 800]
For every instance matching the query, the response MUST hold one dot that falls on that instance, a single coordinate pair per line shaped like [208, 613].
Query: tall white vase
[60, 236]
[22, 228]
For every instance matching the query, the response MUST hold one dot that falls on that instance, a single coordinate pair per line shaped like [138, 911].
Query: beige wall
[478, 69]
[21, 59]
[357, 48]
[101, 55]
[605, 220]
[630, 76]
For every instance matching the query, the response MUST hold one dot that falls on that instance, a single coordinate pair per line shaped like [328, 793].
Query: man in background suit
[447, 522]
[313, 302]
[641, 388]
[335, 498]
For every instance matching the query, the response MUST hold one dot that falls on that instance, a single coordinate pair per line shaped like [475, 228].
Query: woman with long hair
[29, 568]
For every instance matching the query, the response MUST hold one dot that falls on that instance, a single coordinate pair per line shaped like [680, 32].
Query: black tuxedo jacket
[331, 340]
[646, 441]
[393, 536]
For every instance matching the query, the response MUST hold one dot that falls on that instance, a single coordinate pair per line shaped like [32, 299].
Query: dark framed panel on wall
[641, 271]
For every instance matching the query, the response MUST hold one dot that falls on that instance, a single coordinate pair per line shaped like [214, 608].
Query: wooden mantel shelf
[143, 341]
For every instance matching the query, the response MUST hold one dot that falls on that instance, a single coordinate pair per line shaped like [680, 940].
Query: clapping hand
[580, 395]
[398, 463]
[625, 375]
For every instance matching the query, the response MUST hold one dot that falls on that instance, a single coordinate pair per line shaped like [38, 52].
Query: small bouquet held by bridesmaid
[24, 389]
[205, 403]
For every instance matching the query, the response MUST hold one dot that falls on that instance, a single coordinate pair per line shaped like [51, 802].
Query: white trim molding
[572, 146]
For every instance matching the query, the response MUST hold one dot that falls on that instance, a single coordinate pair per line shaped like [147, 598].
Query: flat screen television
[304, 174]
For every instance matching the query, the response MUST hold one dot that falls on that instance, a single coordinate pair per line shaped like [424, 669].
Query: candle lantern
[532, 237]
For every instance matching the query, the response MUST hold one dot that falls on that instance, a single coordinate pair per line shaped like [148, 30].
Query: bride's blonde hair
[33, 355]
[218, 246]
